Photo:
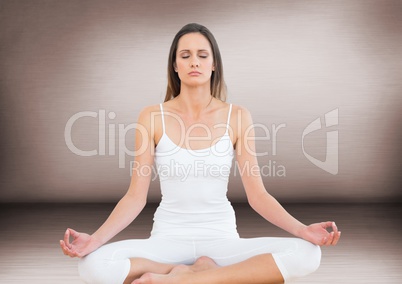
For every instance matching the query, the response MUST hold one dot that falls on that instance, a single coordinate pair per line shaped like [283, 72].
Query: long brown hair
[218, 86]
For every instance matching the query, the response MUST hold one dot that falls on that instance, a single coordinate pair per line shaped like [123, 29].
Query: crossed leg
[259, 260]
[260, 269]
[140, 266]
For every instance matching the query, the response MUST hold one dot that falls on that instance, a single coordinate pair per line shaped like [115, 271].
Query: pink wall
[288, 62]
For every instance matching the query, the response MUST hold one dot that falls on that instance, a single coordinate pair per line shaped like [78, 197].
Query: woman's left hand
[317, 234]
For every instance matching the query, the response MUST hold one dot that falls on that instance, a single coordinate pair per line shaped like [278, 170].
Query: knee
[309, 257]
[300, 259]
[90, 270]
[95, 270]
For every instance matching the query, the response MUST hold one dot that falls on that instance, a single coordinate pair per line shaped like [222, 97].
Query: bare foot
[203, 263]
[177, 273]
[172, 278]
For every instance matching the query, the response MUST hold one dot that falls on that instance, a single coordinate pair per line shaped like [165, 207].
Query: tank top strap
[227, 123]
[163, 119]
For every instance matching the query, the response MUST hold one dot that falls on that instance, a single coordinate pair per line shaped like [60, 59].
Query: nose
[195, 63]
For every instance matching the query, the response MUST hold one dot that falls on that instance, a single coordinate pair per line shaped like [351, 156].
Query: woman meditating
[192, 138]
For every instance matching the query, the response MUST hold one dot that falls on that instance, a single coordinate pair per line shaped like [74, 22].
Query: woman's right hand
[81, 245]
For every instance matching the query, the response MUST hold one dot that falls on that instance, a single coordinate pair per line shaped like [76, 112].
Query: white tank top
[194, 188]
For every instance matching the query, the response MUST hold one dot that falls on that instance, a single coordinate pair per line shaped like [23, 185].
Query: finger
[74, 234]
[67, 251]
[330, 239]
[326, 224]
[62, 246]
[323, 241]
[336, 238]
[67, 238]
[334, 227]
[327, 240]
[335, 234]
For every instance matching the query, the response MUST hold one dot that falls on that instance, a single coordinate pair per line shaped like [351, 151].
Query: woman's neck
[194, 101]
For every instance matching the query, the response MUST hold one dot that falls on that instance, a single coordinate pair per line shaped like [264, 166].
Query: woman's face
[194, 60]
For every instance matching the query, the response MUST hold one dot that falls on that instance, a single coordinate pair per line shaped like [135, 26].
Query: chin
[195, 83]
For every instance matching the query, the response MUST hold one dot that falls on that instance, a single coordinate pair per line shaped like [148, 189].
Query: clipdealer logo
[101, 151]
[330, 164]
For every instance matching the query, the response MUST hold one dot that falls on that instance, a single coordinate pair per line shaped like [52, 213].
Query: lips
[194, 73]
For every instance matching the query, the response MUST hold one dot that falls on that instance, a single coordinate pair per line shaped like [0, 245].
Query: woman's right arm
[132, 203]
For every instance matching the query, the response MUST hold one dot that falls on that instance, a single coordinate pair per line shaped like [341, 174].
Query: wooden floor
[370, 250]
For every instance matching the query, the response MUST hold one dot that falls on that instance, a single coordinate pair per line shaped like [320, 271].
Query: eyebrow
[188, 50]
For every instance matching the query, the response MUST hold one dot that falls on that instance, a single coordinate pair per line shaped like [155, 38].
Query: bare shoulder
[241, 114]
[146, 113]
[239, 121]
[149, 109]
[240, 108]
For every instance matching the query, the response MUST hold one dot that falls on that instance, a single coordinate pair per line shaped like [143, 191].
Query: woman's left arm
[264, 203]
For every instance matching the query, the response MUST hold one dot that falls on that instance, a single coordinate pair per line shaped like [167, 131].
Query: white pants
[110, 264]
